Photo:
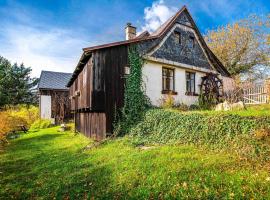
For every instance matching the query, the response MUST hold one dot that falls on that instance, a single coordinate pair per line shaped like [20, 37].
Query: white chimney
[130, 31]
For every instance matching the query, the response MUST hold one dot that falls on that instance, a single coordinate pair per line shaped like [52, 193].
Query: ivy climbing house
[175, 61]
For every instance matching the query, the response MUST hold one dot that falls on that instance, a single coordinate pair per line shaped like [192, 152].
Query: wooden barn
[54, 103]
[176, 60]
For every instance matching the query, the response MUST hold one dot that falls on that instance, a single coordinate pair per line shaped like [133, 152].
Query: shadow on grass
[47, 166]
[27, 170]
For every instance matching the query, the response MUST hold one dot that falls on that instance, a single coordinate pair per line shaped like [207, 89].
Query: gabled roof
[145, 36]
[53, 80]
[158, 33]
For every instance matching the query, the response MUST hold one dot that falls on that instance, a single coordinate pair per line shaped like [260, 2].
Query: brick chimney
[130, 31]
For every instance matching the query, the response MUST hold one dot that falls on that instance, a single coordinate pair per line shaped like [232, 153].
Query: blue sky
[50, 34]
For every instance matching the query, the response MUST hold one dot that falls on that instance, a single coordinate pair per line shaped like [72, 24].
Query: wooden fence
[256, 95]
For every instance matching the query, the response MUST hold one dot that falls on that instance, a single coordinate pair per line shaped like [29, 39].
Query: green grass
[50, 164]
[251, 110]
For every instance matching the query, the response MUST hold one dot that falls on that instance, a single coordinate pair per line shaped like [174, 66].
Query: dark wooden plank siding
[102, 93]
[116, 60]
[84, 85]
[60, 104]
[98, 93]
[75, 89]
[89, 84]
[91, 124]
[72, 100]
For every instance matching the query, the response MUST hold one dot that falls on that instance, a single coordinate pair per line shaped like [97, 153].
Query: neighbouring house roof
[145, 36]
[53, 80]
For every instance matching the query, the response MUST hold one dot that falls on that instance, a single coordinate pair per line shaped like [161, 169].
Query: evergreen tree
[5, 67]
[16, 85]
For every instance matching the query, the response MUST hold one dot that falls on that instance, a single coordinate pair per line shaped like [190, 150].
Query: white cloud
[156, 15]
[50, 49]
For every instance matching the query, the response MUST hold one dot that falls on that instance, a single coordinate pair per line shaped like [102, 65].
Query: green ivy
[135, 100]
[218, 131]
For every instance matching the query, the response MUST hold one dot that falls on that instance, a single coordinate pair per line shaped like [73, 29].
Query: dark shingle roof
[54, 80]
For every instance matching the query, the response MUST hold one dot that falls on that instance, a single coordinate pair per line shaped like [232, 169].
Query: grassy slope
[49, 164]
[251, 110]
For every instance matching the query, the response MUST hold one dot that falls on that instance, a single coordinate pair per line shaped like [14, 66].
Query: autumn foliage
[11, 118]
[243, 45]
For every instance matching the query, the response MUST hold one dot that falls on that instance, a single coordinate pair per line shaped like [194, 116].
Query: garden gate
[256, 95]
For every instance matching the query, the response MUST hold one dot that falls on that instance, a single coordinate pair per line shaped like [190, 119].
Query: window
[177, 36]
[127, 70]
[191, 42]
[167, 80]
[190, 83]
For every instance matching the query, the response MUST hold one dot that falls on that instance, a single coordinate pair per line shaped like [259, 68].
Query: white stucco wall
[152, 76]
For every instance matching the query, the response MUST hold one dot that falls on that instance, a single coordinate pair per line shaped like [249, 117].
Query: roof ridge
[138, 39]
[56, 72]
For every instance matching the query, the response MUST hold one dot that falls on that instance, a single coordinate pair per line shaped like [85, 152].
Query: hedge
[219, 130]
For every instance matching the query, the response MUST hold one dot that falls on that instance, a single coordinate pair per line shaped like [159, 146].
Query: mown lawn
[50, 164]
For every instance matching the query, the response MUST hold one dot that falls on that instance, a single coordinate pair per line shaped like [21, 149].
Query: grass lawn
[50, 164]
[251, 110]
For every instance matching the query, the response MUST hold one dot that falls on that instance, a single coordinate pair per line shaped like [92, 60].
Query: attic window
[191, 42]
[177, 36]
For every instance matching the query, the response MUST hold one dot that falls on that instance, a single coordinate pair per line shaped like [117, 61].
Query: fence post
[267, 85]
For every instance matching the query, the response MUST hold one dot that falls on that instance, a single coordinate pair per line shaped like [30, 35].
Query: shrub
[181, 107]
[4, 126]
[12, 117]
[167, 101]
[24, 115]
[218, 131]
[41, 124]
[28, 113]
[194, 107]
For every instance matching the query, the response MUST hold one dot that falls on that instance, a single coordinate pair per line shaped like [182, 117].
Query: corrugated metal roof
[54, 80]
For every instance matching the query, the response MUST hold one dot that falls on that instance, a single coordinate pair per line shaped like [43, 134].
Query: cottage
[176, 61]
[54, 101]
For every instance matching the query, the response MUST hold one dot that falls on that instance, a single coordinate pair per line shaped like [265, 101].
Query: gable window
[190, 83]
[177, 36]
[168, 81]
[191, 42]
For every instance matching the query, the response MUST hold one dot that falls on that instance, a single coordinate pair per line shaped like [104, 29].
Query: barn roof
[54, 80]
